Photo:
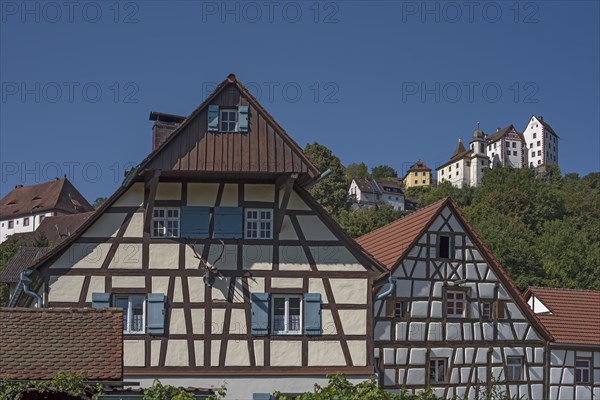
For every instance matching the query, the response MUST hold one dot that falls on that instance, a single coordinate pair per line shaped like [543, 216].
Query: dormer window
[228, 120]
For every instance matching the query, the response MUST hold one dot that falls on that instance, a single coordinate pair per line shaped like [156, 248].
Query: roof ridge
[564, 289]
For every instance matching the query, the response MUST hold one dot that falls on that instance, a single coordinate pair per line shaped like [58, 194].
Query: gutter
[389, 290]
[23, 286]
[318, 179]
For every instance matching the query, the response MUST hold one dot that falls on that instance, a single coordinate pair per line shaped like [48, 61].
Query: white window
[437, 370]
[259, 224]
[165, 222]
[455, 304]
[514, 369]
[11, 224]
[26, 221]
[134, 313]
[486, 311]
[228, 120]
[582, 370]
[400, 309]
[287, 314]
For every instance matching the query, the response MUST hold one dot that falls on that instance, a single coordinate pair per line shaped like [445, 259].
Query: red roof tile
[38, 343]
[574, 315]
[56, 229]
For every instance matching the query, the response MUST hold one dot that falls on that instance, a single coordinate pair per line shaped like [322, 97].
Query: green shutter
[260, 313]
[156, 313]
[312, 314]
[213, 118]
[243, 118]
[229, 222]
[100, 300]
[194, 222]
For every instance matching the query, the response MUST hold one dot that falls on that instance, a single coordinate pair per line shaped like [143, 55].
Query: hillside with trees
[544, 229]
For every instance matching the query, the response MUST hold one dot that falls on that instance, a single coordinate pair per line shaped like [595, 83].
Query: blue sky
[379, 82]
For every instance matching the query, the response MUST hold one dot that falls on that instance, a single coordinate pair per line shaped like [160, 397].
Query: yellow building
[418, 175]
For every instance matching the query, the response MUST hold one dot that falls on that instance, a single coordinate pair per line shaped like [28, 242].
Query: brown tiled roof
[546, 125]
[574, 315]
[38, 343]
[391, 242]
[501, 132]
[24, 257]
[59, 195]
[458, 151]
[392, 183]
[365, 185]
[419, 166]
[56, 229]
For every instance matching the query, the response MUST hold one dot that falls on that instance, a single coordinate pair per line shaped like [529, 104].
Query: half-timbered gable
[454, 322]
[573, 318]
[224, 265]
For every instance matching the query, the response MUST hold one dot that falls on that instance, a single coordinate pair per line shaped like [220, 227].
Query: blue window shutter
[156, 313]
[100, 300]
[229, 222]
[312, 314]
[194, 222]
[213, 118]
[260, 313]
[243, 118]
[262, 396]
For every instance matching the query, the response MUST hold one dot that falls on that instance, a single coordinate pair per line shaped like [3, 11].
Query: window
[534, 134]
[437, 370]
[11, 224]
[423, 173]
[134, 311]
[400, 309]
[26, 221]
[228, 120]
[496, 145]
[514, 144]
[539, 143]
[259, 224]
[444, 247]
[423, 181]
[416, 181]
[514, 153]
[539, 162]
[514, 368]
[508, 151]
[582, 371]
[287, 311]
[455, 304]
[165, 222]
[539, 153]
[486, 311]
[533, 154]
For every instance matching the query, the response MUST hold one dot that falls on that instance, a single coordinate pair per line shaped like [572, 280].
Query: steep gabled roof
[545, 124]
[36, 343]
[419, 166]
[459, 153]
[56, 195]
[23, 258]
[56, 229]
[574, 316]
[365, 185]
[391, 243]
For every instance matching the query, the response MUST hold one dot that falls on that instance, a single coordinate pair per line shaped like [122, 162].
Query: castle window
[287, 312]
[416, 181]
[228, 120]
[534, 134]
[533, 154]
[165, 222]
[582, 370]
[539, 143]
[444, 247]
[514, 153]
[455, 304]
[134, 312]
[514, 144]
[11, 224]
[259, 224]
[26, 221]
[437, 370]
[514, 368]
[539, 153]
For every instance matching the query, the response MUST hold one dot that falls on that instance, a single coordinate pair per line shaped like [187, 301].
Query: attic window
[228, 120]
[12, 203]
[36, 198]
[444, 247]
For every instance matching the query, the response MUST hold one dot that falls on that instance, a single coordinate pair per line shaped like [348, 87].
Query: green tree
[40, 240]
[332, 191]
[383, 172]
[8, 248]
[355, 170]
[98, 202]
[363, 220]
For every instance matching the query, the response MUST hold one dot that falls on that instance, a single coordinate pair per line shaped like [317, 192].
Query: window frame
[166, 219]
[287, 298]
[223, 121]
[127, 317]
[437, 363]
[11, 224]
[489, 314]
[402, 306]
[26, 221]
[259, 220]
[581, 371]
[450, 246]
[464, 301]
[509, 367]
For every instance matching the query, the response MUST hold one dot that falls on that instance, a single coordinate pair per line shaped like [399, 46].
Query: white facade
[22, 224]
[506, 148]
[467, 168]
[361, 196]
[542, 143]
[391, 195]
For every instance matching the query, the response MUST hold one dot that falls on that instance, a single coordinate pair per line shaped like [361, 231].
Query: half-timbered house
[573, 318]
[455, 322]
[226, 268]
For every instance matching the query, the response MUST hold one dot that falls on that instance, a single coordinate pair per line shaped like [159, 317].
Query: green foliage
[331, 192]
[364, 220]
[40, 240]
[383, 172]
[98, 202]
[356, 171]
[158, 391]
[64, 383]
[8, 248]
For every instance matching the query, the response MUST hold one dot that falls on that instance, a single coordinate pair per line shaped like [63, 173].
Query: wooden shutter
[312, 314]
[229, 222]
[213, 118]
[194, 222]
[260, 313]
[156, 313]
[243, 118]
[100, 300]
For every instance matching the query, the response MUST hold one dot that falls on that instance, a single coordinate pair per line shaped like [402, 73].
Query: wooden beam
[289, 186]
[151, 186]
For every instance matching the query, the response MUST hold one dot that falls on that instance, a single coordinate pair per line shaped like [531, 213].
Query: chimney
[164, 125]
